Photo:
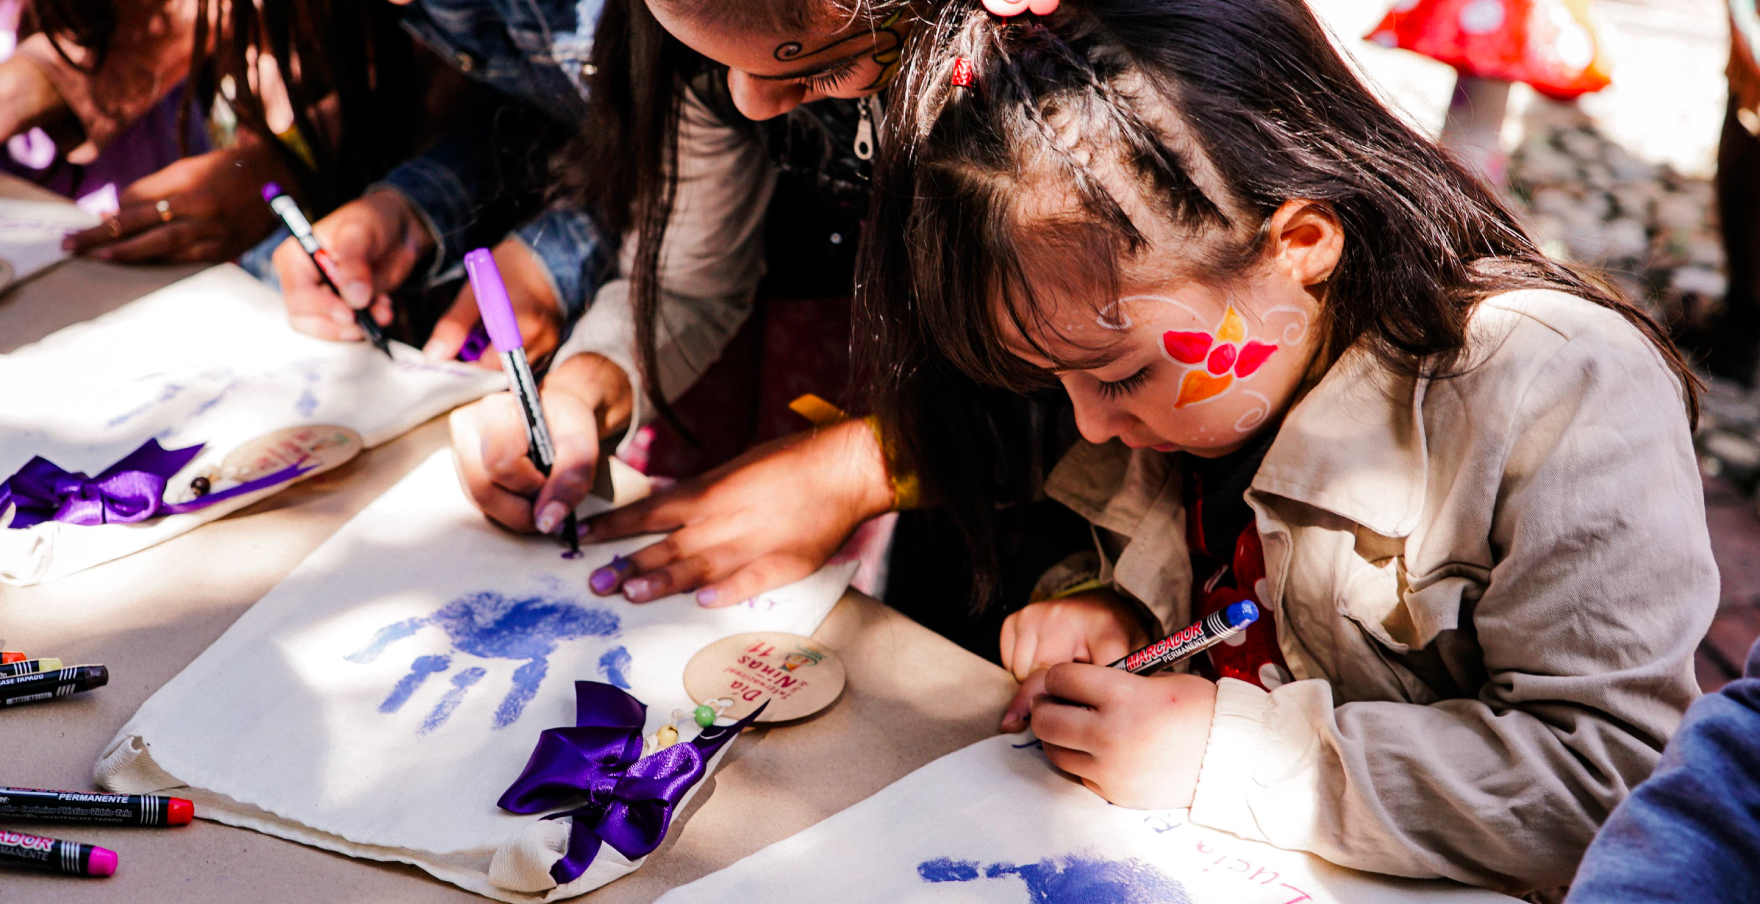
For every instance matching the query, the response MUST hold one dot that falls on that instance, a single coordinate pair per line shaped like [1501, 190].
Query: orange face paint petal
[1198, 386]
[1233, 328]
[1252, 357]
[1186, 348]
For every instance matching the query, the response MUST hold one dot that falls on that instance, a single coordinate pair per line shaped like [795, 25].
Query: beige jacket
[1488, 586]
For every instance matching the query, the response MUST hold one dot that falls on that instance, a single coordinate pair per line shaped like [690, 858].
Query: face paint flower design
[1217, 359]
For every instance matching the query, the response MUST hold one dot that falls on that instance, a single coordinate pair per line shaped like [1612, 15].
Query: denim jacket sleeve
[1690, 832]
[575, 255]
[484, 177]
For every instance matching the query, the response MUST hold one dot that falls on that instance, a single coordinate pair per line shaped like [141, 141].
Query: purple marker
[503, 328]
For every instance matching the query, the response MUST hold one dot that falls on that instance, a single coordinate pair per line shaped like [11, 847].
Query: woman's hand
[375, 241]
[203, 208]
[585, 398]
[534, 305]
[1138, 742]
[765, 519]
[27, 98]
[1096, 626]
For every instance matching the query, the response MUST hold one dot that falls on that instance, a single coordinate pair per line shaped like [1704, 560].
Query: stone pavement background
[1621, 180]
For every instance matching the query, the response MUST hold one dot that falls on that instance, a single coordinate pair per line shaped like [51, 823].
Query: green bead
[705, 715]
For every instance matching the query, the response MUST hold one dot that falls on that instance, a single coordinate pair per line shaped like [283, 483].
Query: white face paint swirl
[1295, 332]
[1250, 420]
[1112, 317]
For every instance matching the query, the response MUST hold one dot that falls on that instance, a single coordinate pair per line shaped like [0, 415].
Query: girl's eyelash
[827, 81]
[1125, 386]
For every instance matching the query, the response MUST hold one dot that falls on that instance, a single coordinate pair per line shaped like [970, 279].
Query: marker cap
[178, 812]
[101, 863]
[492, 300]
[1241, 614]
[271, 191]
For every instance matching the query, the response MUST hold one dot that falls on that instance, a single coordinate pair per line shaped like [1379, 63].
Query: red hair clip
[1006, 8]
[962, 73]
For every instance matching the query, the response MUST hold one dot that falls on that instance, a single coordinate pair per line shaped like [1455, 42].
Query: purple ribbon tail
[629, 798]
[129, 491]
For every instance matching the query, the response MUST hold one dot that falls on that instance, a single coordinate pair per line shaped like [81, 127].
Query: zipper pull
[864, 146]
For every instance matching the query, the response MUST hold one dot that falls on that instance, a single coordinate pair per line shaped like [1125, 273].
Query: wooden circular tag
[324, 446]
[798, 675]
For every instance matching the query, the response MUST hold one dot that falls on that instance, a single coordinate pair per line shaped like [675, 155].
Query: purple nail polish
[605, 580]
[706, 596]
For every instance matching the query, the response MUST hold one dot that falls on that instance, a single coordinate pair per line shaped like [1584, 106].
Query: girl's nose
[759, 99]
[1097, 420]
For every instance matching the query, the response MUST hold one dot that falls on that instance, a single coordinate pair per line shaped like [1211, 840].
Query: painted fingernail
[706, 596]
[639, 589]
[582, 529]
[551, 516]
[604, 580]
[357, 294]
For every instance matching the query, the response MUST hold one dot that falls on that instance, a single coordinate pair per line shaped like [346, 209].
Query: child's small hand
[1138, 742]
[1097, 626]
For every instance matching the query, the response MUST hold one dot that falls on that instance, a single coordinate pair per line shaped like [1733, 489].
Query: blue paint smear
[418, 672]
[461, 683]
[171, 391]
[490, 625]
[526, 679]
[614, 665]
[947, 869]
[306, 403]
[1081, 880]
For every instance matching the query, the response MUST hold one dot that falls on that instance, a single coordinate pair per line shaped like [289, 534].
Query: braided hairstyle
[992, 199]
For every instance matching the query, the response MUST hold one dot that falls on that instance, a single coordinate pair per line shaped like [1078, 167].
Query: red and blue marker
[1207, 632]
[288, 210]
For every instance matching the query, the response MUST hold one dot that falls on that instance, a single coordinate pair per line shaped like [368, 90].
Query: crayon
[19, 689]
[288, 210]
[67, 857]
[503, 329]
[29, 667]
[1201, 635]
[9, 657]
[38, 805]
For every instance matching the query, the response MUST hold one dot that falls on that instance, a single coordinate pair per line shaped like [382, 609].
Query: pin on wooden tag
[798, 675]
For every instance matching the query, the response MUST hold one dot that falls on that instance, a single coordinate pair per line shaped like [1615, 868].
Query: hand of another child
[534, 305]
[28, 99]
[765, 519]
[1096, 626]
[1138, 742]
[585, 398]
[203, 208]
[375, 240]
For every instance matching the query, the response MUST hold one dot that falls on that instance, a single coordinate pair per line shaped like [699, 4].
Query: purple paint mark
[947, 869]
[418, 673]
[614, 665]
[171, 391]
[207, 406]
[488, 625]
[461, 683]
[1080, 881]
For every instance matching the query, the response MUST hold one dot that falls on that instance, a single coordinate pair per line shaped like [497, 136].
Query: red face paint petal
[1186, 348]
[1221, 358]
[1252, 357]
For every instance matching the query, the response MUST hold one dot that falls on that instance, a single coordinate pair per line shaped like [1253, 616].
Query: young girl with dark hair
[1316, 365]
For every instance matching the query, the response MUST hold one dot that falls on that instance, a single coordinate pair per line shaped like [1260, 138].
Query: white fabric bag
[995, 822]
[208, 360]
[379, 700]
[31, 234]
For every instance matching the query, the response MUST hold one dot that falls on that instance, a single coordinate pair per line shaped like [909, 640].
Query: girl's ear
[1306, 241]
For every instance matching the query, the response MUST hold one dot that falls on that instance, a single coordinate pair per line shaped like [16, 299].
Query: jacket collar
[1355, 446]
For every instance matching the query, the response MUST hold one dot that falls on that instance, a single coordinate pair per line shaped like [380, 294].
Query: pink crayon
[56, 856]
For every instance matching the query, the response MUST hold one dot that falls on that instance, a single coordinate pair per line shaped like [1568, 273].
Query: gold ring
[164, 208]
[115, 224]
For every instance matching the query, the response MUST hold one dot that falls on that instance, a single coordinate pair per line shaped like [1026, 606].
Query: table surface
[912, 695]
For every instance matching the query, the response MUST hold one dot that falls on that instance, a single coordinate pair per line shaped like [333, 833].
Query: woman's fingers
[574, 439]
[1020, 709]
[760, 576]
[489, 444]
[454, 327]
[653, 515]
[150, 244]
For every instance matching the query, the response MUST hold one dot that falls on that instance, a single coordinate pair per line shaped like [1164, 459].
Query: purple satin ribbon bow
[629, 797]
[131, 490]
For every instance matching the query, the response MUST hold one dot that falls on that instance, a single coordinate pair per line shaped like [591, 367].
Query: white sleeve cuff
[1238, 736]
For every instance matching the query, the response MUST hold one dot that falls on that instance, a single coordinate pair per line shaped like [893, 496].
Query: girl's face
[1188, 367]
[771, 74]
